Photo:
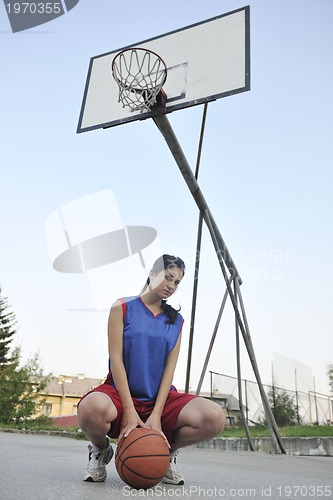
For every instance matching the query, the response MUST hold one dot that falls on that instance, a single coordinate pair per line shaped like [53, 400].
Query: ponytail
[146, 285]
[170, 312]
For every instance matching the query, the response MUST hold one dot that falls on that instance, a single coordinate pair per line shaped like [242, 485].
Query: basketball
[142, 458]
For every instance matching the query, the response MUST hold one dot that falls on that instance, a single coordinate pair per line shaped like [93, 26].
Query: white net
[140, 75]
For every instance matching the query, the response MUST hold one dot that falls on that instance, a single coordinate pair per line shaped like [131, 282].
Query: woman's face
[166, 282]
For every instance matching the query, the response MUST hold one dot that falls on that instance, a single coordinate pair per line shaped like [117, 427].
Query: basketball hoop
[140, 75]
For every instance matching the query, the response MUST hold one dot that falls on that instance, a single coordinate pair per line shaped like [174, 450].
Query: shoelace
[95, 451]
[173, 460]
[93, 454]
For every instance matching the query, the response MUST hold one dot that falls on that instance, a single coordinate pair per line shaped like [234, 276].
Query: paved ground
[35, 467]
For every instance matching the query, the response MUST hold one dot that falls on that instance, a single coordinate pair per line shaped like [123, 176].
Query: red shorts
[174, 403]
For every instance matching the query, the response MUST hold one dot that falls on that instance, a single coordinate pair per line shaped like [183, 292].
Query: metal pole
[194, 302]
[197, 260]
[165, 128]
[239, 377]
[276, 438]
[212, 340]
[315, 399]
[273, 387]
[297, 407]
[223, 255]
[309, 396]
[246, 401]
[274, 430]
[203, 125]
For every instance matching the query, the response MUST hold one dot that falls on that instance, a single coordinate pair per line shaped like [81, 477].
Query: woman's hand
[154, 423]
[130, 421]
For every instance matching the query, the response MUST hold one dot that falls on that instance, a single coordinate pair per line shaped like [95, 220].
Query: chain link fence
[311, 407]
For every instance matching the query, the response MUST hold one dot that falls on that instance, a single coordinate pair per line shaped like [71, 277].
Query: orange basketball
[142, 458]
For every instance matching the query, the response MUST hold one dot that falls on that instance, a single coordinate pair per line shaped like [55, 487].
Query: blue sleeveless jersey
[147, 341]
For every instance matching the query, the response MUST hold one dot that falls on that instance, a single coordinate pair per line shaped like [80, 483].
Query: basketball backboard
[205, 61]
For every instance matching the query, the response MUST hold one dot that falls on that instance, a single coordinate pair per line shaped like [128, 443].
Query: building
[63, 393]
[230, 406]
[61, 397]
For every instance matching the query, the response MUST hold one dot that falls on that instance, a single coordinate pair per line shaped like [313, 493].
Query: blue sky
[266, 173]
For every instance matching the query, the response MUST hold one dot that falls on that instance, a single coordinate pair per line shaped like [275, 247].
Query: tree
[330, 376]
[284, 408]
[20, 385]
[7, 330]
[20, 389]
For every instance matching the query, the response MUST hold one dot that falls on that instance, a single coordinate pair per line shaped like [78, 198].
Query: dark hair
[166, 262]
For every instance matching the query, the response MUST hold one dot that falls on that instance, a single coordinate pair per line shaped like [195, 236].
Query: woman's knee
[217, 418]
[203, 414]
[212, 417]
[96, 407]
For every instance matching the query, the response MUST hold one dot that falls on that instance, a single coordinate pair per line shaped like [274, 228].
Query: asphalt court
[50, 468]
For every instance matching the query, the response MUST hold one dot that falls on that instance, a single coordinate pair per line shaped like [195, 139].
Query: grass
[46, 424]
[291, 431]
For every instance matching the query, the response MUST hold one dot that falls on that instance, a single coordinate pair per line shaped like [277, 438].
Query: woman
[144, 334]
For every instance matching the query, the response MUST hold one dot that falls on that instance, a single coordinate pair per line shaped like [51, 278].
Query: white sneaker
[96, 470]
[172, 475]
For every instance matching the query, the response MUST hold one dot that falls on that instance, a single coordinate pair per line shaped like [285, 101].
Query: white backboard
[205, 61]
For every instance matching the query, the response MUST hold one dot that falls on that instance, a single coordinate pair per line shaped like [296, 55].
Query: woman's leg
[96, 412]
[199, 419]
